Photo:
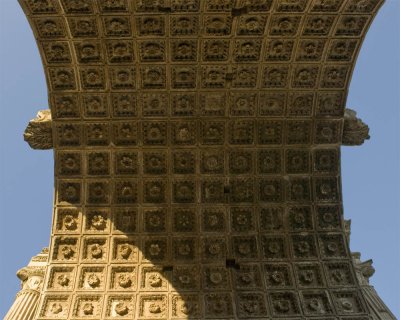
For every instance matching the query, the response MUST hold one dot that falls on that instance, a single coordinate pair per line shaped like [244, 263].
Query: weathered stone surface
[355, 131]
[32, 279]
[39, 133]
[197, 151]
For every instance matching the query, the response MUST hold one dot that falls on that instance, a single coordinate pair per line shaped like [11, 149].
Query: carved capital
[38, 133]
[364, 269]
[27, 272]
[355, 131]
[33, 274]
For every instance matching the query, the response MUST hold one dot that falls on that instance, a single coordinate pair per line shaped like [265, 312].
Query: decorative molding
[32, 280]
[355, 131]
[39, 132]
[197, 153]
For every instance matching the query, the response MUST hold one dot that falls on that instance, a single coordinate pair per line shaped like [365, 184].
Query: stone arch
[286, 89]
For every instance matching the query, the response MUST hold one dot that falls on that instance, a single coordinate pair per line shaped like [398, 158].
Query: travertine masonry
[197, 157]
[27, 299]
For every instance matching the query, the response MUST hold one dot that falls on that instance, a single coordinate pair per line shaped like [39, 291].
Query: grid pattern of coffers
[197, 157]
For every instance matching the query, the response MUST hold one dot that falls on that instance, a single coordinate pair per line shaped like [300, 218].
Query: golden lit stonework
[197, 159]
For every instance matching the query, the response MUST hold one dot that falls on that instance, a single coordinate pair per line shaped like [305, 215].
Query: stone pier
[27, 299]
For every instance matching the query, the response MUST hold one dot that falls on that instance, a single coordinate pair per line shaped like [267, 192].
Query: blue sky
[371, 173]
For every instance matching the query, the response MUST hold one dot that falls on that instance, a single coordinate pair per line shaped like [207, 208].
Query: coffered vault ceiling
[197, 157]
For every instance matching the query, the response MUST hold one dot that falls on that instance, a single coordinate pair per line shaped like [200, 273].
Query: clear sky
[371, 173]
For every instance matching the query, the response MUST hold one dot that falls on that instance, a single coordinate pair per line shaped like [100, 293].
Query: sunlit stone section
[197, 157]
[38, 133]
[27, 299]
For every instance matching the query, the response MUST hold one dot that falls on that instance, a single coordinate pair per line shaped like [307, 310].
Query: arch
[289, 97]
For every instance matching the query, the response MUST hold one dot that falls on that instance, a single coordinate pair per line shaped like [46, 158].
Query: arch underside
[197, 157]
